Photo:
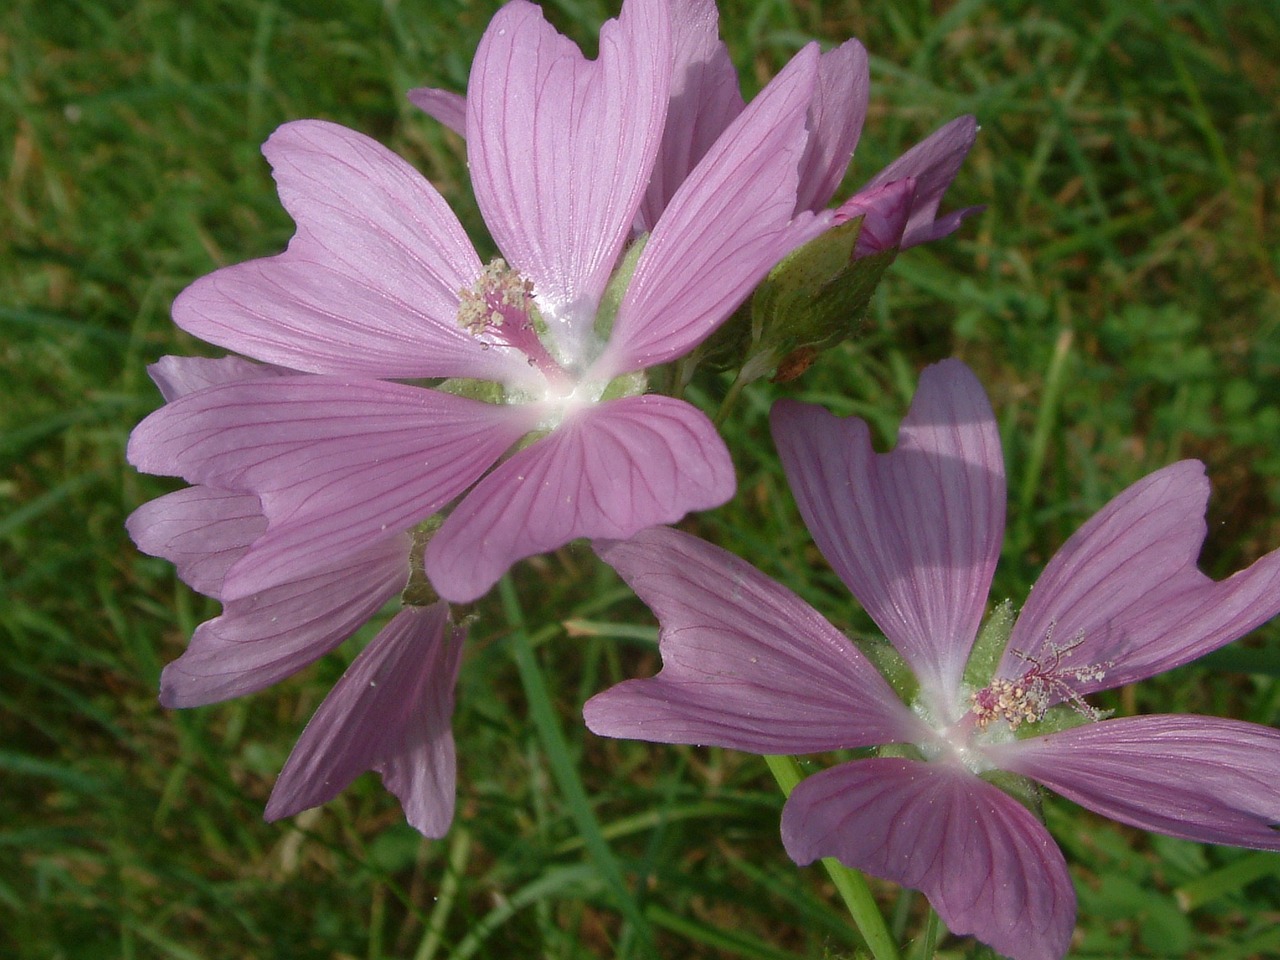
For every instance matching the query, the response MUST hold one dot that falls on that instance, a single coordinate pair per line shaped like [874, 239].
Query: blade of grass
[564, 771]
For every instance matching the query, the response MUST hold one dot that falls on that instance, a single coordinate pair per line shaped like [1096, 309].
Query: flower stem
[731, 398]
[850, 883]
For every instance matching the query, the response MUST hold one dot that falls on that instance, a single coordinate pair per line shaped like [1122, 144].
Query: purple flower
[380, 284]
[901, 202]
[915, 535]
[390, 712]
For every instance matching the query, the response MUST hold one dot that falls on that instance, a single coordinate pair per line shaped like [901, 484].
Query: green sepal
[628, 385]
[891, 665]
[1025, 791]
[486, 391]
[616, 289]
[812, 300]
[418, 592]
[901, 751]
[990, 645]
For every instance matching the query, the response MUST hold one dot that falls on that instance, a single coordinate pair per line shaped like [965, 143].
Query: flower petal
[727, 225]
[884, 211]
[835, 123]
[1124, 592]
[337, 464]
[608, 471]
[177, 376]
[915, 533]
[268, 636]
[561, 149]
[445, 106]
[705, 99]
[1199, 778]
[933, 163]
[369, 284]
[746, 664]
[986, 864]
[201, 531]
[390, 712]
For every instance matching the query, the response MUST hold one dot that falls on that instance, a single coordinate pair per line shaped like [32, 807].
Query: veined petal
[445, 106]
[390, 712]
[268, 636]
[1199, 778]
[177, 376]
[337, 464]
[746, 664]
[201, 531]
[933, 163]
[914, 533]
[1124, 593]
[561, 149]
[986, 864]
[835, 123]
[705, 99]
[369, 284]
[606, 472]
[727, 225]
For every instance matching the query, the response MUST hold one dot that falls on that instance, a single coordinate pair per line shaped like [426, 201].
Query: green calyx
[418, 592]
[990, 645]
[812, 300]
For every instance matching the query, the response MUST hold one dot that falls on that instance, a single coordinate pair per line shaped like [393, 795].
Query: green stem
[731, 398]
[851, 884]
[556, 748]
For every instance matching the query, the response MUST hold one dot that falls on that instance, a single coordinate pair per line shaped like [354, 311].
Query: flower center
[1028, 698]
[498, 310]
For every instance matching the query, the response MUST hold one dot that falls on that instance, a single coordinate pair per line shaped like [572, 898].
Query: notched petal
[391, 712]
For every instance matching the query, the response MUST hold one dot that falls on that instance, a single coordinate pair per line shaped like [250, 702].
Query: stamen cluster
[1028, 698]
[499, 295]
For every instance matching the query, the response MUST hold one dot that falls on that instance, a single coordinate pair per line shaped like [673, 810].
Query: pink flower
[380, 284]
[390, 712]
[900, 202]
[915, 535]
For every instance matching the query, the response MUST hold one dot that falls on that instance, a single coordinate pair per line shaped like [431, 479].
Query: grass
[1119, 297]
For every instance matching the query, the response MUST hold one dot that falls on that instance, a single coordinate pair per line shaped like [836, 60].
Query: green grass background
[1119, 297]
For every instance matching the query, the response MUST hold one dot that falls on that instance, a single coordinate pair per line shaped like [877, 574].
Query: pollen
[499, 311]
[498, 297]
[1043, 684]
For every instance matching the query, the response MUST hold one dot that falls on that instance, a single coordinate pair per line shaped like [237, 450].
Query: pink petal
[933, 163]
[727, 225]
[338, 465]
[390, 712]
[369, 285]
[177, 376]
[986, 864]
[1199, 778]
[445, 106]
[835, 122]
[915, 533]
[746, 664]
[608, 471]
[704, 100]
[884, 211]
[201, 531]
[561, 149]
[268, 636]
[1124, 592]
